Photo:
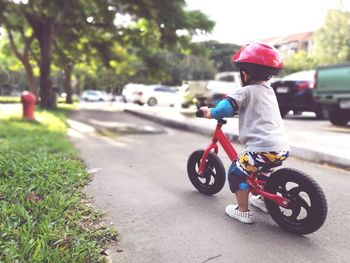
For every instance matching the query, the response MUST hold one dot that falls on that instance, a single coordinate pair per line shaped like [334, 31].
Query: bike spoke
[196, 166]
[283, 190]
[208, 174]
[295, 212]
[295, 191]
[298, 203]
[304, 204]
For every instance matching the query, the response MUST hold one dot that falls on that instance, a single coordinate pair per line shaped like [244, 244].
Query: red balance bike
[293, 199]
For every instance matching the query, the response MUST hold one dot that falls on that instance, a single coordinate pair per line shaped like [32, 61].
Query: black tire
[152, 101]
[321, 113]
[201, 102]
[339, 117]
[283, 112]
[297, 112]
[308, 205]
[214, 173]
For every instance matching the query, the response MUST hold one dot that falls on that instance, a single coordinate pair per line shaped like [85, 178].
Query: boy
[261, 128]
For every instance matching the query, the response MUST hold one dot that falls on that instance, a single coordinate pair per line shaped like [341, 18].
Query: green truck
[332, 92]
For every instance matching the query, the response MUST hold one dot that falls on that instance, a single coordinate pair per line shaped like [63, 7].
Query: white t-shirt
[261, 127]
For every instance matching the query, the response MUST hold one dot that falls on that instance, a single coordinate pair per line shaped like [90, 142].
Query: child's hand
[206, 112]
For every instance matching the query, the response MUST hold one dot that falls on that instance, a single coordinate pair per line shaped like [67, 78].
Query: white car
[160, 95]
[95, 95]
[132, 92]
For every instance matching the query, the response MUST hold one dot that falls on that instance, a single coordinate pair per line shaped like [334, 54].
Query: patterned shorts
[248, 163]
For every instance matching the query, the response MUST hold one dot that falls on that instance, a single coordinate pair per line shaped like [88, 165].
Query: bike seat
[269, 166]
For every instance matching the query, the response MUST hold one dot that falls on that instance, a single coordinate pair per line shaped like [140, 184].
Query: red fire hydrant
[28, 100]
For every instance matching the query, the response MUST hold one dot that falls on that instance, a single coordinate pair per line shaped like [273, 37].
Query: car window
[159, 89]
[302, 75]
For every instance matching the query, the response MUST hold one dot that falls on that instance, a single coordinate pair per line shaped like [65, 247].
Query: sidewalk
[310, 139]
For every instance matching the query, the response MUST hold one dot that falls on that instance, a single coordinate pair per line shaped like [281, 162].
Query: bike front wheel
[214, 177]
[307, 208]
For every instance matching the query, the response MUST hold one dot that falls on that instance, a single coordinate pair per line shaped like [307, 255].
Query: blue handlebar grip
[199, 113]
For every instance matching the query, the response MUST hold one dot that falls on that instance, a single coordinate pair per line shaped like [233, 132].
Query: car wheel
[339, 117]
[152, 101]
[321, 114]
[284, 112]
[297, 112]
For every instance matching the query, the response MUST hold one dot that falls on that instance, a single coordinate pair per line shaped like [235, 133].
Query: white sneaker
[257, 201]
[245, 217]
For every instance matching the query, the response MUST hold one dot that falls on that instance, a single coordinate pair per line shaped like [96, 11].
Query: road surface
[140, 181]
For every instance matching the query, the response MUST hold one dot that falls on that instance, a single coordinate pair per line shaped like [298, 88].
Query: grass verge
[43, 214]
[17, 99]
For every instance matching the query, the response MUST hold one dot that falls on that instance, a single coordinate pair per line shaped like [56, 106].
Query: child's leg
[237, 178]
[242, 200]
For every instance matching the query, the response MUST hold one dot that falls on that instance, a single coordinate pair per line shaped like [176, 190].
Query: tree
[298, 62]
[332, 41]
[220, 54]
[159, 39]
[164, 18]
[21, 38]
[24, 56]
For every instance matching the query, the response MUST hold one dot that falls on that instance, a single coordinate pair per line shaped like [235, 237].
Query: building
[288, 45]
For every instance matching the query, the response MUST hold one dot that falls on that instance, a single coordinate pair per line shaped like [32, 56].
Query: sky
[242, 21]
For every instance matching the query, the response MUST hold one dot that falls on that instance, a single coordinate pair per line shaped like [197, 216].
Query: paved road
[310, 139]
[140, 180]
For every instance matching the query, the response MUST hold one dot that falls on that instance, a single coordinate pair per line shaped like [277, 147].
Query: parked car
[295, 92]
[95, 95]
[207, 93]
[333, 92]
[192, 91]
[217, 90]
[132, 92]
[153, 95]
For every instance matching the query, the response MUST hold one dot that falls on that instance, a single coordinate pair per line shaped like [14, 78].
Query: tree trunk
[30, 76]
[68, 83]
[47, 96]
[44, 31]
[24, 58]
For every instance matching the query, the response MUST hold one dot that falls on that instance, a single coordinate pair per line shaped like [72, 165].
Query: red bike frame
[255, 185]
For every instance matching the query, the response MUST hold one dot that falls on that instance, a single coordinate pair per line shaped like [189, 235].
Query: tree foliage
[332, 41]
[220, 54]
[61, 28]
[298, 62]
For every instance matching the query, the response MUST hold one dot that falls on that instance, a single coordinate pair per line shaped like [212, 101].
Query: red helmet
[259, 54]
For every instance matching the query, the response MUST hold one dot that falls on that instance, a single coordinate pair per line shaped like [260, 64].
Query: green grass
[10, 99]
[17, 99]
[43, 214]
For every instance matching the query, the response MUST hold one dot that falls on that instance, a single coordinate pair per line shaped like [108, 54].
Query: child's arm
[224, 108]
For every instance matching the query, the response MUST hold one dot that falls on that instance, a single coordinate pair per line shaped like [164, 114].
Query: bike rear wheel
[307, 209]
[214, 173]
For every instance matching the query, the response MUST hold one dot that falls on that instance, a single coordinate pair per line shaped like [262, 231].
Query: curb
[296, 151]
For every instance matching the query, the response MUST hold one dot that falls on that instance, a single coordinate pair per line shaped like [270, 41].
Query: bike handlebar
[199, 113]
